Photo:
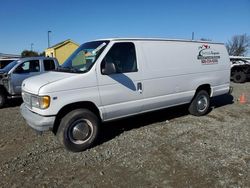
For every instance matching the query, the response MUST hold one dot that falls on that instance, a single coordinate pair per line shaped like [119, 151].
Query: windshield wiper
[68, 69]
[62, 69]
[74, 70]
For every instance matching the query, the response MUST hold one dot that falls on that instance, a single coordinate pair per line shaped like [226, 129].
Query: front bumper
[36, 121]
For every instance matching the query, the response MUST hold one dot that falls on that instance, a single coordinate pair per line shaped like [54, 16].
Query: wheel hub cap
[202, 104]
[81, 131]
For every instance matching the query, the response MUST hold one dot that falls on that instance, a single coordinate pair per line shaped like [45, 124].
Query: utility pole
[48, 38]
[31, 46]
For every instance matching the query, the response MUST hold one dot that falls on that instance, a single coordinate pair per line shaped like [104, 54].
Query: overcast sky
[27, 21]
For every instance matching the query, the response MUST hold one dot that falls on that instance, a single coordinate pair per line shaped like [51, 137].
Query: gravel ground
[167, 148]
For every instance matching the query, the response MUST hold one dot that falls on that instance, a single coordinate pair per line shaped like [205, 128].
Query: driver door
[121, 90]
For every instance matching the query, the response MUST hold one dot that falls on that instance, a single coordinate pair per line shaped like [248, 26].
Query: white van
[109, 79]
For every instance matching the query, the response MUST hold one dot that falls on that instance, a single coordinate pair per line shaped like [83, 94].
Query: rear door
[121, 92]
[23, 71]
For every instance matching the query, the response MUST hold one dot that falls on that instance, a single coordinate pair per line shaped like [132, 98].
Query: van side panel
[174, 70]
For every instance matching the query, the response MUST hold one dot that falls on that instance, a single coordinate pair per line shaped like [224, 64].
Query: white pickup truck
[104, 80]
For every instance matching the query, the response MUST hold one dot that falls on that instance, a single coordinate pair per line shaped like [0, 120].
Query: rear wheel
[78, 130]
[3, 99]
[239, 77]
[200, 104]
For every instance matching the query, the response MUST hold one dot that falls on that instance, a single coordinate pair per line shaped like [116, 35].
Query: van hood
[33, 84]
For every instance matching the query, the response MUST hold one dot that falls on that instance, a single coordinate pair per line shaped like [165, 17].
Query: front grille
[26, 98]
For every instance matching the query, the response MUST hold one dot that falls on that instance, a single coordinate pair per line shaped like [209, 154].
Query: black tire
[78, 130]
[239, 77]
[3, 99]
[200, 104]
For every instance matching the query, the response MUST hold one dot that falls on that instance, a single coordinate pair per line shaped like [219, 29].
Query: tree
[42, 54]
[238, 45]
[29, 53]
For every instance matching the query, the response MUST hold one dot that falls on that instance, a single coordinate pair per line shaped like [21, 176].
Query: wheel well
[66, 109]
[205, 87]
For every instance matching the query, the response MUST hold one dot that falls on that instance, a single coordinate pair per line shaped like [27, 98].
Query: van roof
[159, 39]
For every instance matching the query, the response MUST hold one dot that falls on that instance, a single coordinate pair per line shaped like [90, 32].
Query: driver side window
[122, 56]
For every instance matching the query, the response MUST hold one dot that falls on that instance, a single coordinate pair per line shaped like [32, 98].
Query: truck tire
[3, 99]
[200, 103]
[78, 130]
[239, 77]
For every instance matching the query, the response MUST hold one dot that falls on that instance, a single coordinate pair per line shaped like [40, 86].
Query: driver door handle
[139, 87]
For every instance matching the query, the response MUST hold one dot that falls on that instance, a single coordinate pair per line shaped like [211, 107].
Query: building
[62, 50]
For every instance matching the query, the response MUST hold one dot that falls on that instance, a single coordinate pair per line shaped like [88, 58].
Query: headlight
[41, 102]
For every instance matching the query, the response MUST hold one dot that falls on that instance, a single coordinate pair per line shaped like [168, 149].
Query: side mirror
[109, 68]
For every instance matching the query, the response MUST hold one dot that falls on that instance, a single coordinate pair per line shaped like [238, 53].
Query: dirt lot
[167, 148]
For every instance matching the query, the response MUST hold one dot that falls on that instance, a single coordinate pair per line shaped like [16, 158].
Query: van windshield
[84, 57]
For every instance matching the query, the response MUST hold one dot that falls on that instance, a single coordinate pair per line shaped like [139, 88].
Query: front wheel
[200, 104]
[78, 130]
